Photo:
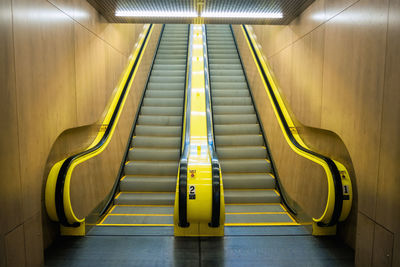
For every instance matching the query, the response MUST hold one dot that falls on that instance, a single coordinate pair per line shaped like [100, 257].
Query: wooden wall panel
[303, 180]
[10, 183]
[44, 54]
[352, 89]
[382, 254]
[92, 180]
[33, 240]
[359, 101]
[364, 241]
[90, 66]
[306, 78]
[39, 102]
[311, 18]
[15, 247]
[388, 192]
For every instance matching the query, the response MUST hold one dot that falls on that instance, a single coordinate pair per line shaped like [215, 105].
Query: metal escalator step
[249, 219]
[148, 184]
[230, 93]
[215, 66]
[166, 86]
[239, 140]
[237, 208]
[170, 56]
[235, 129]
[245, 166]
[165, 93]
[224, 79]
[212, 52]
[170, 111]
[248, 181]
[236, 119]
[163, 102]
[224, 61]
[220, 110]
[156, 142]
[227, 73]
[157, 130]
[229, 85]
[168, 73]
[151, 168]
[169, 67]
[224, 56]
[242, 152]
[157, 209]
[162, 79]
[141, 153]
[170, 61]
[145, 199]
[152, 220]
[231, 101]
[251, 196]
[159, 120]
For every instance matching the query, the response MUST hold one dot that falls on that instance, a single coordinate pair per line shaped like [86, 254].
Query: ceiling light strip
[162, 14]
[276, 15]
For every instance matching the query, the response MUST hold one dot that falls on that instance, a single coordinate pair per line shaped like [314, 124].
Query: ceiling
[281, 12]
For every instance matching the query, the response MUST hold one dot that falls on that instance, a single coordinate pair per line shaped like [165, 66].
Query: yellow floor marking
[290, 216]
[142, 224]
[144, 214]
[111, 210]
[249, 204]
[145, 192]
[122, 205]
[105, 217]
[260, 224]
[266, 212]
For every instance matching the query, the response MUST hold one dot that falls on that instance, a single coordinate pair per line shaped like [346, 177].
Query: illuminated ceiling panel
[278, 12]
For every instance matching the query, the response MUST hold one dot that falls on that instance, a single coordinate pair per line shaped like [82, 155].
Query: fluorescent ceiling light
[161, 14]
[277, 15]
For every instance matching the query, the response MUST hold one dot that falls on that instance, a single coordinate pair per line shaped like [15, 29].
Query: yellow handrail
[50, 191]
[344, 175]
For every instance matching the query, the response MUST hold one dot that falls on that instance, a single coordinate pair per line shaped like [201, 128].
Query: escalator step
[159, 120]
[245, 166]
[151, 168]
[153, 154]
[155, 141]
[156, 130]
[244, 152]
[251, 196]
[248, 181]
[239, 140]
[146, 184]
[159, 198]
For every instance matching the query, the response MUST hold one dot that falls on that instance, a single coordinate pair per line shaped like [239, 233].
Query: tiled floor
[278, 246]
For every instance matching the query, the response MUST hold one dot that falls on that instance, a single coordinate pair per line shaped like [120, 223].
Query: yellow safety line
[260, 224]
[290, 216]
[266, 212]
[246, 189]
[138, 224]
[123, 205]
[111, 210]
[105, 217]
[250, 204]
[144, 214]
[145, 192]
[117, 196]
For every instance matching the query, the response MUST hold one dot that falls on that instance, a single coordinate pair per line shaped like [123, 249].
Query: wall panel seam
[16, 107]
[87, 28]
[377, 223]
[382, 108]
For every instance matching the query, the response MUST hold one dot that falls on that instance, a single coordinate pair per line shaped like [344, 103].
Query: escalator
[250, 190]
[147, 189]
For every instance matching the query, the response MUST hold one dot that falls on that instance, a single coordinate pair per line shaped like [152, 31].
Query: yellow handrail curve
[50, 191]
[345, 178]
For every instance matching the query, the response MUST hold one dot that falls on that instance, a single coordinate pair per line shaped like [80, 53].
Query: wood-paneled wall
[59, 64]
[338, 67]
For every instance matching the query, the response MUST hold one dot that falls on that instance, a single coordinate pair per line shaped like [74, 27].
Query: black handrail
[59, 192]
[183, 163]
[215, 166]
[332, 166]
[114, 190]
